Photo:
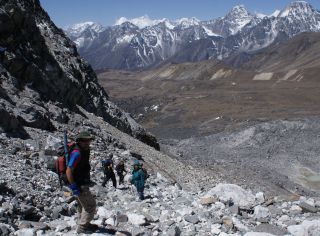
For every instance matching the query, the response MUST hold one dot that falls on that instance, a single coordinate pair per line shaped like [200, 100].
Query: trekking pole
[66, 154]
[65, 145]
[59, 175]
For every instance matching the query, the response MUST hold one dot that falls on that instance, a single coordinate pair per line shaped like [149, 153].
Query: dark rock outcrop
[42, 73]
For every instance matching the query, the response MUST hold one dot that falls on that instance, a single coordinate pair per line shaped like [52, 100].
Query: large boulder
[136, 219]
[258, 234]
[261, 213]
[227, 192]
[307, 228]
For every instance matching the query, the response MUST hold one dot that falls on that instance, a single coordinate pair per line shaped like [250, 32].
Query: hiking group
[73, 167]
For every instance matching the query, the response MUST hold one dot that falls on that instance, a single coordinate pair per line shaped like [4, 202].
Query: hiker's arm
[70, 175]
[142, 176]
[73, 186]
[73, 162]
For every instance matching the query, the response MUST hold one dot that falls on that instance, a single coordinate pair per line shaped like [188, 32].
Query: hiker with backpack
[120, 168]
[78, 177]
[138, 179]
[108, 173]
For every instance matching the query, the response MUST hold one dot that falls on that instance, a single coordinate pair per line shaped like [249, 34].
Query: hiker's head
[121, 162]
[109, 162]
[136, 164]
[84, 139]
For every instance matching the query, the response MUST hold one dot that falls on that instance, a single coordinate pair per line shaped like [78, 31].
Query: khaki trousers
[87, 206]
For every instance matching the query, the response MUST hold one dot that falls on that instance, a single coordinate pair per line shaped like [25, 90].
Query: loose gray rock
[271, 229]
[56, 212]
[228, 223]
[234, 209]
[262, 214]
[307, 228]
[207, 200]
[173, 231]
[307, 207]
[121, 218]
[192, 219]
[25, 232]
[4, 229]
[136, 219]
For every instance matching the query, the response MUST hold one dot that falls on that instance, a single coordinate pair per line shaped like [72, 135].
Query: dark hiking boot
[87, 228]
[92, 226]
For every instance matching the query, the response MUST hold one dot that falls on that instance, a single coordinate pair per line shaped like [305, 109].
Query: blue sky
[106, 12]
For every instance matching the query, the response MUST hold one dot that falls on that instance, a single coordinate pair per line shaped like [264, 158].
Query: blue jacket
[138, 179]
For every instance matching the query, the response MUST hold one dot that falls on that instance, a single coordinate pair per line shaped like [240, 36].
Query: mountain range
[143, 43]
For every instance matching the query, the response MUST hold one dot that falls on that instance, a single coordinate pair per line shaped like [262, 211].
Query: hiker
[138, 179]
[120, 168]
[108, 173]
[78, 176]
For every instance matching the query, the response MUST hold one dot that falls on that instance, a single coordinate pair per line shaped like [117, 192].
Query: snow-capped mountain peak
[168, 24]
[187, 22]
[238, 17]
[261, 15]
[77, 29]
[300, 4]
[297, 8]
[275, 13]
[145, 21]
[141, 22]
[84, 32]
[121, 20]
[238, 11]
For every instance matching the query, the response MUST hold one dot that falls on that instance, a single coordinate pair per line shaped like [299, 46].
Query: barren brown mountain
[300, 53]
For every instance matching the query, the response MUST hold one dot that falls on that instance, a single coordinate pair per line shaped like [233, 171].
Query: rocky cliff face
[44, 79]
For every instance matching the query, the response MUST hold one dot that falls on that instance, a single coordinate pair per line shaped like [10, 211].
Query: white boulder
[307, 228]
[25, 232]
[238, 195]
[215, 229]
[103, 213]
[136, 219]
[52, 143]
[261, 212]
[260, 198]
[295, 209]
[258, 234]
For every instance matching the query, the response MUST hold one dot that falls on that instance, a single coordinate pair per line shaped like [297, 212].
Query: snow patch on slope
[209, 32]
[275, 13]
[263, 76]
[125, 38]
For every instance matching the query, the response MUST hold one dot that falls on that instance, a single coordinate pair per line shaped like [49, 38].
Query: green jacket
[138, 179]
